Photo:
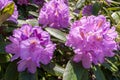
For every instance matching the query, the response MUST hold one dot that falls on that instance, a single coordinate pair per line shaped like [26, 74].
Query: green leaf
[27, 76]
[106, 65]
[4, 58]
[56, 33]
[34, 13]
[11, 72]
[114, 2]
[98, 73]
[73, 71]
[110, 66]
[21, 22]
[53, 69]
[2, 44]
[80, 3]
[109, 14]
[96, 8]
[6, 12]
[33, 22]
[116, 16]
[0, 68]
[118, 27]
[85, 76]
[114, 8]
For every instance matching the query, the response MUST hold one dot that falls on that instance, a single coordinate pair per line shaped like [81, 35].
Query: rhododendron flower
[32, 45]
[21, 2]
[92, 40]
[4, 3]
[87, 10]
[66, 2]
[55, 14]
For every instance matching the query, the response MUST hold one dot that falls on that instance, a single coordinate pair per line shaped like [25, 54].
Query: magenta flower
[92, 40]
[21, 2]
[66, 2]
[4, 3]
[32, 45]
[87, 10]
[55, 14]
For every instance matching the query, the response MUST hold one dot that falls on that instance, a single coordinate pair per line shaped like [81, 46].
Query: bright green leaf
[34, 13]
[114, 8]
[80, 3]
[53, 69]
[73, 71]
[21, 22]
[56, 33]
[116, 16]
[33, 22]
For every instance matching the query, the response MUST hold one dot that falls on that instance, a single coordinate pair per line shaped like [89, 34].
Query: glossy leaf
[21, 22]
[27, 76]
[96, 8]
[80, 3]
[11, 72]
[53, 69]
[98, 73]
[33, 22]
[116, 16]
[56, 33]
[34, 13]
[73, 71]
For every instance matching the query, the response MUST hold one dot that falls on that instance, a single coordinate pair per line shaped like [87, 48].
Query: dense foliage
[59, 40]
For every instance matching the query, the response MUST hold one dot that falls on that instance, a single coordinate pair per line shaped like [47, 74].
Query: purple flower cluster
[87, 10]
[66, 2]
[55, 14]
[32, 46]
[4, 3]
[92, 40]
